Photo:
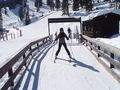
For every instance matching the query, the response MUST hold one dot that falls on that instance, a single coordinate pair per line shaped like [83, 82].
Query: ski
[70, 60]
[55, 60]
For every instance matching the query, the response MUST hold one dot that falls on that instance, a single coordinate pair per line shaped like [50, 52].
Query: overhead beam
[60, 20]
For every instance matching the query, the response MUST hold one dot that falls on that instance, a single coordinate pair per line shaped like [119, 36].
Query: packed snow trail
[83, 73]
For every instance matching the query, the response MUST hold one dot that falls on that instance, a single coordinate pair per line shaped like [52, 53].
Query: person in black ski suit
[61, 36]
[69, 33]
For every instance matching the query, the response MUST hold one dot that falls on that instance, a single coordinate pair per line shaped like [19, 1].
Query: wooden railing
[24, 58]
[109, 53]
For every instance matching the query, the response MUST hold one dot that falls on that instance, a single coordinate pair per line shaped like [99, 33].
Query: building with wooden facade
[104, 25]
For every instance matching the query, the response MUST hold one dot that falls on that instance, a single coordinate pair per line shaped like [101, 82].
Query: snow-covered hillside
[12, 17]
[39, 29]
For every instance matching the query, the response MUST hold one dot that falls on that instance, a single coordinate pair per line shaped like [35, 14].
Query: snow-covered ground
[114, 40]
[38, 30]
[83, 73]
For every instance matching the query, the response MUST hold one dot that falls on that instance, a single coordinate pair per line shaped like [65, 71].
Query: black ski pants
[65, 46]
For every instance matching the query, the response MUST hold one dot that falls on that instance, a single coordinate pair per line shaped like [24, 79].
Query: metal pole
[48, 28]
[80, 28]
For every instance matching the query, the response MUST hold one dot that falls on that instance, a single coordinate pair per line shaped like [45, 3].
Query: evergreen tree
[38, 3]
[12, 4]
[65, 8]
[21, 13]
[88, 4]
[57, 4]
[81, 3]
[51, 4]
[27, 19]
[107, 0]
[98, 1]
[5, 10]
[19, 2]
[48, 2]
[22, 10]
[76, 5]
[117, 2]
[1, 23]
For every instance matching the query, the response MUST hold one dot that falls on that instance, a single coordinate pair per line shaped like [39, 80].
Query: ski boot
[70, 58]
[55, 59]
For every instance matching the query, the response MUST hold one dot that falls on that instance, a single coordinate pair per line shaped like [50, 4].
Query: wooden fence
[109, 53]
[25, 56]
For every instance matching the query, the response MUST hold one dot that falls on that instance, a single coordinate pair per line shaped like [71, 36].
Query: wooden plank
[111, 60]
[11, 62]
[112, 72]
[109, 48]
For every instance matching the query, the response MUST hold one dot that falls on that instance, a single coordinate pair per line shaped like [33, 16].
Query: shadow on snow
[36, 60]
[79, 63]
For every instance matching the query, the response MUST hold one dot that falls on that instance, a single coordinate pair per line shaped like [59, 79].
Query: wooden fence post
[20, 33]
[24, 56]
[86, 43]
[30, 50]
[10, 73]
[98, 49]
[112, 56]
[91, 46]
[38, 45]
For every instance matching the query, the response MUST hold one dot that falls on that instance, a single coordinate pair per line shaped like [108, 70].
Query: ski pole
[53, 50]
[71, 49]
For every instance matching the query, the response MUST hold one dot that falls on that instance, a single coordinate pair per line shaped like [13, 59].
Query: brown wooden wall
[102, 26]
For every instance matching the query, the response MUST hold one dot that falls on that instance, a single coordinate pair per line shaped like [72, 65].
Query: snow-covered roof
[99, 13]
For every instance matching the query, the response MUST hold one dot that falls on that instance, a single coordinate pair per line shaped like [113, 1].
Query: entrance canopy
[62, 20]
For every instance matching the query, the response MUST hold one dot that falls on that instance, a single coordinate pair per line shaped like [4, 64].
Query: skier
[69, 33]
[61, 36]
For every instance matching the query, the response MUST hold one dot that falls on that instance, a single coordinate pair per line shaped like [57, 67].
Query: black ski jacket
[61, 37]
